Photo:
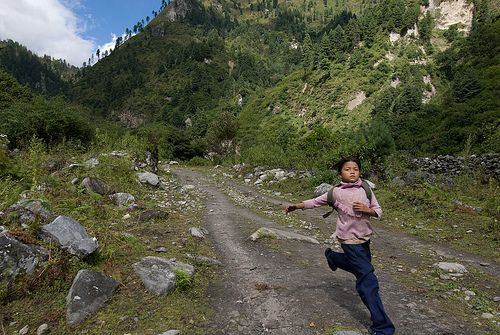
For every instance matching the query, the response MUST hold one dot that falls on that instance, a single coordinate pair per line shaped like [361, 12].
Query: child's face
[349, 172]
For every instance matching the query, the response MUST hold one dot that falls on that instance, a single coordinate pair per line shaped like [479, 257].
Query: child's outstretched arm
[291, 208]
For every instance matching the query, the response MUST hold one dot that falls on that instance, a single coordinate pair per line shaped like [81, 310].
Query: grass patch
[41, 297]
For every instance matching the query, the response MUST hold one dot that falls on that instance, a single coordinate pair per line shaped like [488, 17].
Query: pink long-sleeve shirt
[351, 225]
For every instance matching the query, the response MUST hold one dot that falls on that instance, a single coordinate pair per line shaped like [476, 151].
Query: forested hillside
[297, 83]
[41, 74]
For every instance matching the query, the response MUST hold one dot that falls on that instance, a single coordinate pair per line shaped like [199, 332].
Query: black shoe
[332, 267]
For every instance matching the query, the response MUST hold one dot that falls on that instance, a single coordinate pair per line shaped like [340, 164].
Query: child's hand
[360, 207]
[291, 208]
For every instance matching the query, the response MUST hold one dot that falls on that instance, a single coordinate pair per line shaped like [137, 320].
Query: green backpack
[364, 185]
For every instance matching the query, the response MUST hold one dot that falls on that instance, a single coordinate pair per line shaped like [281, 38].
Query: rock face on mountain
[452, 12]
[179, 10]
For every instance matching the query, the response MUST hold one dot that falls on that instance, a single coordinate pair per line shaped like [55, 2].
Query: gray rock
[122, 198]
[43, 329]
[88, 293]
[69, 235]
[452, 267]
[95, 185]
[281, 234]
[151, 214]
[148, 177]
[24, 330]
[171, 332]
[158, 274]
[19, 258]
[198, 232]
[53, 165]
[322, 189]
[346, 332]
[204, 259]
[26, 212]
[92, 162]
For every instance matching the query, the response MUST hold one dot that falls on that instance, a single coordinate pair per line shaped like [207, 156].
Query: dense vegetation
[42, 74]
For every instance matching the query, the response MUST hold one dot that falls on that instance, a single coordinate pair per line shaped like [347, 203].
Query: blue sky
[71, 29]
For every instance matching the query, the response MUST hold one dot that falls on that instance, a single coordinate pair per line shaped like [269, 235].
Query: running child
[353, 232]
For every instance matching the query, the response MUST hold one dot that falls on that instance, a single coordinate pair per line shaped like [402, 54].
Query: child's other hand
[360, 207]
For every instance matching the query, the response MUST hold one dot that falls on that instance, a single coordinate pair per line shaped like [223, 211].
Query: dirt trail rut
[286, 287]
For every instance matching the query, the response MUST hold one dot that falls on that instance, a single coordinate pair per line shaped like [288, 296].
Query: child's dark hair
[344, 160]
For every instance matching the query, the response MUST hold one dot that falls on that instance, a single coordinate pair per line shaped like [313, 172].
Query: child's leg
[337, 260]
[359, 258]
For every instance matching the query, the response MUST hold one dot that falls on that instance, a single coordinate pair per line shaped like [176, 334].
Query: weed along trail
[282, 285]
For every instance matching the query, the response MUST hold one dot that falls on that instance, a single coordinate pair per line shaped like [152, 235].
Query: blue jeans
[356, 259]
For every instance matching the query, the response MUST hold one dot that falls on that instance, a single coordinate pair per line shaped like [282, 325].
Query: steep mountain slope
[380, 73]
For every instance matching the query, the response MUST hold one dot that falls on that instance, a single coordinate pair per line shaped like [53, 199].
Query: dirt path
[286, 287]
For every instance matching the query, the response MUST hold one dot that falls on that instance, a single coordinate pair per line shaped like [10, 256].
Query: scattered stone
[487, 316]
[24, 330]
[204, 259]
[496, 299]
[95, 185]
[150, 214]
[158, 275]
[92, 162]
[346, 332]
[474, 208]
[452, 267]
[43, 329]
[19, 258]
[281, 234]
[122, 198]
[324, 187]
[171, 332]
[69, 235]
[88, 293]
[53, 165]
[161, 249]
[148, 178]
[28, 211]
[198, 232]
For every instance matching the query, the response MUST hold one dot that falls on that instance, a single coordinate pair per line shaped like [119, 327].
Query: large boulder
[95, 185]
[69, 235]
[19, 258]
[89, 292]
[158, 274]
[28, 211]
[148, 178]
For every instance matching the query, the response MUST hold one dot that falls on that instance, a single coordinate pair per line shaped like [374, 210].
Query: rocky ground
[284, 286]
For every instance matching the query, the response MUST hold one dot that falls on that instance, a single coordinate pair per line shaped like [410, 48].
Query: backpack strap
[331, 203]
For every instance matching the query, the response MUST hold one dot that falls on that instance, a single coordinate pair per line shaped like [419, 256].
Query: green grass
[41, 298]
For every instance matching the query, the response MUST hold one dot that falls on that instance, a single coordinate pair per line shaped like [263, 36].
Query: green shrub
[183, 279]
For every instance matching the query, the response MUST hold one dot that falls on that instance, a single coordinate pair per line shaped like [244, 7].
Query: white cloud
[47, 27]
